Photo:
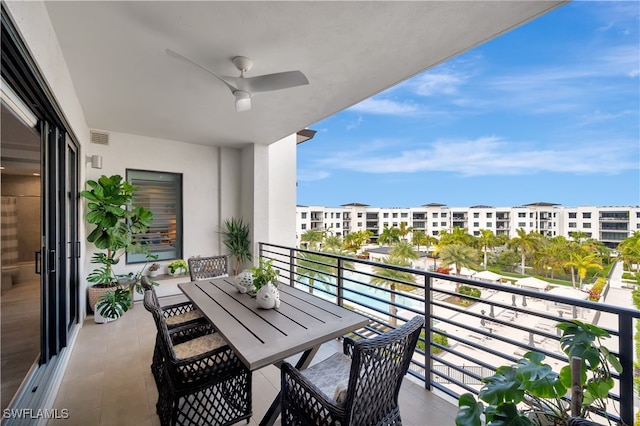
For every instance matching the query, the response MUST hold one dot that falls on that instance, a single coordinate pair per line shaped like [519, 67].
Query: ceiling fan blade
[176, 55]
[277, 81]
[243, 104]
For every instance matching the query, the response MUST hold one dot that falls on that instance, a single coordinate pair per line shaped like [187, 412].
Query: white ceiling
[349, 51]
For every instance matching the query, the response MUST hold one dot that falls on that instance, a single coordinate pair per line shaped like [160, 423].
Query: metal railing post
[626, 343]
[292, 254]
[340, 284]
[428, 324]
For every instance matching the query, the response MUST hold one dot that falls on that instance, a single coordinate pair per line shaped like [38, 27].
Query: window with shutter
[161, 193]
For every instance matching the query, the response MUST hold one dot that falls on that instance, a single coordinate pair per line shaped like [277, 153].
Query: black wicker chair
[359, 387]
[176, 315]
[202, 381]
[202, 268]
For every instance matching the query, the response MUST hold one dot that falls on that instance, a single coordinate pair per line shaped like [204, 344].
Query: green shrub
[469, 291]
[436, 338]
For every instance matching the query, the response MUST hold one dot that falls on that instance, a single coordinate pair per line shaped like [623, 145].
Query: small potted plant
[177, 267]
[265, 280]
[154, 269]
[235, 236]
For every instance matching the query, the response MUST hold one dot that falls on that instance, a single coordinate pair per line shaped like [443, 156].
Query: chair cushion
[199, 346]
[184, 317]
[331, 376]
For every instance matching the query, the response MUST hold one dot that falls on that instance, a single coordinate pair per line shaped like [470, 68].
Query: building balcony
[496, 329]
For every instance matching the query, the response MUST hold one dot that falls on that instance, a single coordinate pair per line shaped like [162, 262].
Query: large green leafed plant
[116, 221]
[530, 392]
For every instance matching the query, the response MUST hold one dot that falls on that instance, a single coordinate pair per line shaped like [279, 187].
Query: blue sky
[547, 112]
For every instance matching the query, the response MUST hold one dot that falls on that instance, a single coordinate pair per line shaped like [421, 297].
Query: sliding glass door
[58, 258]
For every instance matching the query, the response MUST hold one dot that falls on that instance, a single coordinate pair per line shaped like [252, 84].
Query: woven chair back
[202, 268]
[377, 370]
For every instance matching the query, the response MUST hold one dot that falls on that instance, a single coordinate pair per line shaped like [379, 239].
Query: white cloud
[437, 83]
[493, 156]
[312, 175]
[385, 107]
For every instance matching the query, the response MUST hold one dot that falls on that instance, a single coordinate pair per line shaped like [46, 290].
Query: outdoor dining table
[261, 337]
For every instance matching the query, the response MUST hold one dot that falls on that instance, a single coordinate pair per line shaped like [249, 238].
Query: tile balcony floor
[108, 380]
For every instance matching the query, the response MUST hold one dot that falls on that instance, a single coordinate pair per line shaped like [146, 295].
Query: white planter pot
[99, 318]
[268, 297]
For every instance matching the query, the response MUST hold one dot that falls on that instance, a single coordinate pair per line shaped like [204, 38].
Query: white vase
[268, 297]
[153, 273]
[244, 282]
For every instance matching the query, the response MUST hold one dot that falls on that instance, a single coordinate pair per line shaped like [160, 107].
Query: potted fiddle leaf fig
[115, 221]
[531, 393]
[235, 237]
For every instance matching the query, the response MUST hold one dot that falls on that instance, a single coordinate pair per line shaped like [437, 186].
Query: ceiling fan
[244, 87]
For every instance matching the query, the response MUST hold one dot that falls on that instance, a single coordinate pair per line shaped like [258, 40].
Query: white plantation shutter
[161, 193]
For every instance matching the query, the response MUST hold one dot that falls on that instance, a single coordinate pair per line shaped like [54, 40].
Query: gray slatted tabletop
[261, 337]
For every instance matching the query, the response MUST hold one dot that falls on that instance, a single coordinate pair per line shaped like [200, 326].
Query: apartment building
[607, 224]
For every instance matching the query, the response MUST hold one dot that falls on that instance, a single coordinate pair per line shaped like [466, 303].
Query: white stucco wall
[201, 184]
[268, 192]
[282, 192]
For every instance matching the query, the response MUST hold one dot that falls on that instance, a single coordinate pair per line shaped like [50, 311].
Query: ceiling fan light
[243, 103]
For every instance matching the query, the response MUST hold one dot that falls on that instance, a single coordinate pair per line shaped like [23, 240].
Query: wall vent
[101, 138]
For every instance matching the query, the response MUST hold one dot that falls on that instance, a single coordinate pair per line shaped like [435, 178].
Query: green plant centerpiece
[116, 220]
[531, 393]
[235, 237]
[265, 280]
[178, 266]
[264, 274]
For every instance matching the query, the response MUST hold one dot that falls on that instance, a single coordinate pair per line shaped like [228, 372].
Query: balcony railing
[494, 329]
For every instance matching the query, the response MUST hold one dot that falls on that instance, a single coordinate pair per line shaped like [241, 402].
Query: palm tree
[333, 243]
[554, 254]
[404, 250]
[404, 230]
[394, 280]
[419, 238]
[315, 266]
[488, 242]
[389, 236]
[629, 250]
[458, 236]
[460, 256]
[525, 244]
[584, 262]
[578, 236]
[312, 237]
